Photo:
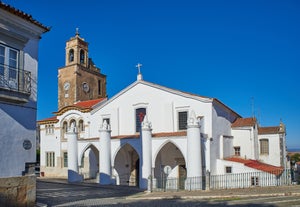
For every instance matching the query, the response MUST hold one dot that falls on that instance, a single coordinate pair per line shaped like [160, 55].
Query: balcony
[15, 84]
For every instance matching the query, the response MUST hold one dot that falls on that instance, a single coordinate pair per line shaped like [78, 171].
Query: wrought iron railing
[14, 79]
[225, 181]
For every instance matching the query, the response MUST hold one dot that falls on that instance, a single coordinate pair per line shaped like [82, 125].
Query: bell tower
[79, 79]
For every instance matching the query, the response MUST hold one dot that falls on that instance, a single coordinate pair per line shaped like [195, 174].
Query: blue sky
[245, 53]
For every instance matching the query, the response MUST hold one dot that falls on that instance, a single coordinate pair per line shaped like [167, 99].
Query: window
[81, 126]
[49, 129]
[9, 59]
[72, 122]
[228, 169]
[139, 117]
[182, 120]
[50, 159]
[254, 181]
[65, 159]
[82, 56]
[71, 55]
[99, 87]
[237, 151]
[264, 146]
[65, 127]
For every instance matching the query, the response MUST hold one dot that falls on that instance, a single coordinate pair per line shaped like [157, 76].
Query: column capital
[146, 125]
[104, 127]
[192, 120]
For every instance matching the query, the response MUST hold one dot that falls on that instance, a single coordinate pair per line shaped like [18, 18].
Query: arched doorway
[170, 167]
[89, 165]
[126, 166]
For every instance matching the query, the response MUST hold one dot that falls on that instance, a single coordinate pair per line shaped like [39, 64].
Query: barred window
[65, 159]
[182, 120]
[237, 151]
[264, 146]
[50, 159]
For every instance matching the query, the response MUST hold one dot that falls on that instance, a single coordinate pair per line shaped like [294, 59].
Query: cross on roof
[139, 65]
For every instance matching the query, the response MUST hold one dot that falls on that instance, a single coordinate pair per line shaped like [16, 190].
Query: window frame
[9, 78]
[71, 55]
[264, 147]
[65, 159]
[254, 181]
[228, 169]
[237, 150]
[50, 159]
[182, 126]
[138, 122]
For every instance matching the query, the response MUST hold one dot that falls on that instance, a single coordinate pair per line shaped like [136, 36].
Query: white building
[151, 131]
[19, 38]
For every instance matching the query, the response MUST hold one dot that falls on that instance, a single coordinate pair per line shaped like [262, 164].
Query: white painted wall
[221, 125]
[162, 108]
[273, 158]
[243, 137]
[19, 120]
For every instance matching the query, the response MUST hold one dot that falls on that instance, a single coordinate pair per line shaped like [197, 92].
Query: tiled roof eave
[23, 15]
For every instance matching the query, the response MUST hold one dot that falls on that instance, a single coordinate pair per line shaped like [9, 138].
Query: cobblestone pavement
[61, 193]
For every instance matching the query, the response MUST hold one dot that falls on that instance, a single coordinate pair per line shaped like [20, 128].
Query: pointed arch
[169, 156]
[162, 145]
[126, 165]
[120, 147]
[89, 161]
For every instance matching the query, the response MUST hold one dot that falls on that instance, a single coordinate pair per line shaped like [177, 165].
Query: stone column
[73, 175]
[194, 166]
[105, 154]
[146, 138]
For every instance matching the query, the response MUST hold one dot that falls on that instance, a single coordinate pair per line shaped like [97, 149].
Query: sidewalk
[225, 193]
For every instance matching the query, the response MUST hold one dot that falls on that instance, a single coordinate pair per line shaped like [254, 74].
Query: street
[64, 194]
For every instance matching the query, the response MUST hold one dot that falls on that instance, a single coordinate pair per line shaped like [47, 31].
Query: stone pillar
[73, 175]
[194, 166]
[105, 154]
[146, 138]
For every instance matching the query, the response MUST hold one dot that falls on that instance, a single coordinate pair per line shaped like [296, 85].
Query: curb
[212, 196]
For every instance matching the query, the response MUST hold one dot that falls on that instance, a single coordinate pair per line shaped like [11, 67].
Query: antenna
[252, 107]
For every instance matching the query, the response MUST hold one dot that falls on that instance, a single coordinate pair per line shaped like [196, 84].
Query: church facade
[147, 132]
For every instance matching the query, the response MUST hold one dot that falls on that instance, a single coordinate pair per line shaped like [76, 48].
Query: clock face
[85, 87]
[66, 86]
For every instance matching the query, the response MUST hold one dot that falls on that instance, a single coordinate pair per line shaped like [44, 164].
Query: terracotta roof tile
[268, 130]
[22, 15]
[257, 165]
[89, 103]
[242, 122]
[48, 120]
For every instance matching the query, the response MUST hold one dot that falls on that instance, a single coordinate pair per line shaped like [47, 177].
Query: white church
[152, 136]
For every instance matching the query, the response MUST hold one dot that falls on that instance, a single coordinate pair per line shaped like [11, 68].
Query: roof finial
[139, 76]
[77, 31]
